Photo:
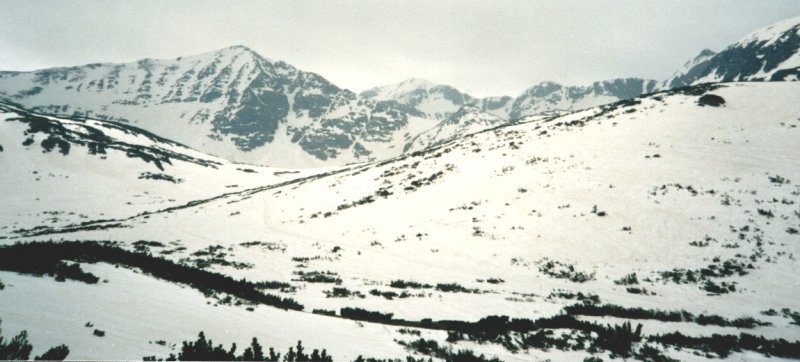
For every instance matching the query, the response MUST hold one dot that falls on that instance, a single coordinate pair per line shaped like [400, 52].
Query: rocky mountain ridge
[768, 54]
[240, 106]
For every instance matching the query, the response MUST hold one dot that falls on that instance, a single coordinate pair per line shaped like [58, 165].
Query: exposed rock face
[548, 96]
[239, 105]
[768, 54]
[233, 103]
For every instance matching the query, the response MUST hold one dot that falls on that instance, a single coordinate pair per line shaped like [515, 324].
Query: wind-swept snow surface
[695, 191]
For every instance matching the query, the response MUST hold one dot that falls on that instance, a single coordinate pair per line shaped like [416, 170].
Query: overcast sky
[482, 47]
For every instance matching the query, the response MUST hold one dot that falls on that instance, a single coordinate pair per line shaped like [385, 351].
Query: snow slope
[468, 119]
[520, 215]
[435, 101]
[59, 171]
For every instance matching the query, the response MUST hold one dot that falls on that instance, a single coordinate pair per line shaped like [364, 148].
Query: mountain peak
[434, 100]
[772, 33]
[418, 82]
[547, 84]
[771, 53]
[543, 87]
[395, 90]
[239, 47]
[238, 50]
[230, 53]
[705, 53]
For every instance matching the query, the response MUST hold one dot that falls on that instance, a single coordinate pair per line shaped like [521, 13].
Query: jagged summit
[543, 88]
[705, 53]
[690, 70]
[548, 96]
[239, 47]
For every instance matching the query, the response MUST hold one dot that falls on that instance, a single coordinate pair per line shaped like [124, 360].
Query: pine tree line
[204, 350]
[18, 348]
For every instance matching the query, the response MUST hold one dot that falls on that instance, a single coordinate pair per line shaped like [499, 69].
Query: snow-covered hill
[525, 228]
[684, 202]
[768, 54]
[59, 171]
[468, 119]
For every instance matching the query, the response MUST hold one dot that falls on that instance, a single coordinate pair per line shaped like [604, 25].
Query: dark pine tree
[17, 349]
[58, 353]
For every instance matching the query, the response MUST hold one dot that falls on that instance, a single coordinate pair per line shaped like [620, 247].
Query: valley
[234, 195]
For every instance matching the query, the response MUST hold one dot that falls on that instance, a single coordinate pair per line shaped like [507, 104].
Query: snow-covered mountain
[470, 118]
[442, 101]
[238, 105]
[768, 54]
[232, 103]
[690, 71]
[549, 97]
[677, 210]
[461, 114]
[498, 106]
[540, 238]
[434, 100]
